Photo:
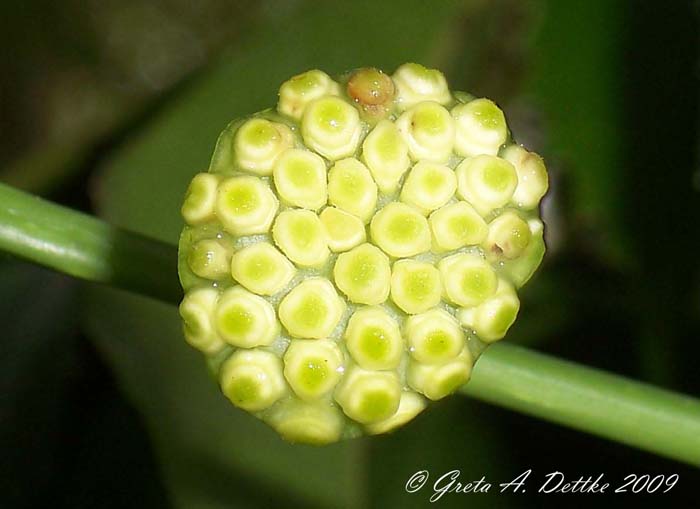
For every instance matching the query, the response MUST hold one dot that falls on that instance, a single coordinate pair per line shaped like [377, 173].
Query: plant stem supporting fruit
[85, 247]
[589, 399]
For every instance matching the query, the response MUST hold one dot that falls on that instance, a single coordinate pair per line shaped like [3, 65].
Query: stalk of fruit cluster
[590, 400]
[85, 247]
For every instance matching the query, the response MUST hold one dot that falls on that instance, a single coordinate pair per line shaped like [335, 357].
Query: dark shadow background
[606, 91]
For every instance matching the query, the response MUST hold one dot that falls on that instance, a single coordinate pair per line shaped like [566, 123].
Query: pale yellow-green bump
[312, 309]
[486, 182]
[312, 367]
[433, 337]
[351, 188]
[297, 421]
[344, 231]
[467, 278]
[301, 236]
[410, 406]
[480, 128]
[436, 381]
[296, 93]
[331, 127]
[493, 317]
[363, 274]
[521, 269]
[385, 153]
[457, 225]
[369, 396]
[197, 311]
[415, 286]
[300, 179]
[261, 268]
[429, 186]
[245, 205]
[533, 181]
[415, 83]
[259, 142]
[400, 230]
[508, 236]
[252, 379]
[210, 259]
[373, 339]
[244, 319]
[200, 199]
[429, 132]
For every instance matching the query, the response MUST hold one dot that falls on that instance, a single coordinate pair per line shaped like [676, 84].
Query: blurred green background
[110, 106]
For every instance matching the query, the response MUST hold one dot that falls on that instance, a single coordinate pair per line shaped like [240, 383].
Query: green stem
[590, 400]
[583, 398]
[85, 247]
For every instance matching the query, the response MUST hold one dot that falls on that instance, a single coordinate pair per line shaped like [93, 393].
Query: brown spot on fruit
[371, 87]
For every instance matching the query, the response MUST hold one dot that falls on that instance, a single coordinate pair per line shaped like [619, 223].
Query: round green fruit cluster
[351, 252]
